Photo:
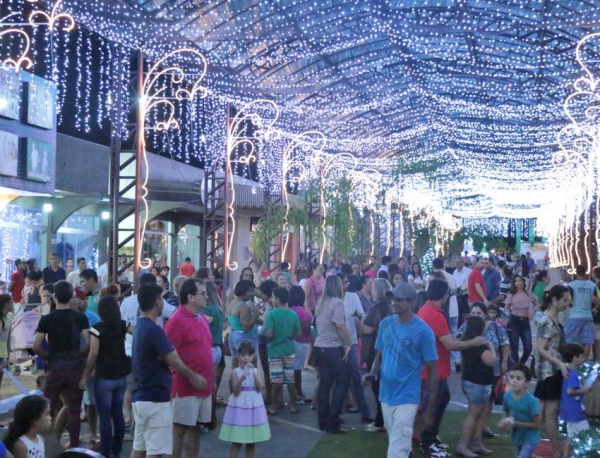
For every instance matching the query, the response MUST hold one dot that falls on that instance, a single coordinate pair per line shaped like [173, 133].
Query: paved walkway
[293, 436]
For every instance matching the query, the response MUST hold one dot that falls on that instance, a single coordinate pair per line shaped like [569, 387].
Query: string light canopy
[466, 94]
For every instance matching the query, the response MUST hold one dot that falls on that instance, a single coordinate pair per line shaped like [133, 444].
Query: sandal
[271, 412]
[294, 410]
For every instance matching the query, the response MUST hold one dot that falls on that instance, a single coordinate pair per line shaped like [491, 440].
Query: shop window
[21, 235]
[78, 237]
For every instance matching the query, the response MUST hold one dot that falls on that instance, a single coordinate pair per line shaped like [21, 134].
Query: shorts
[281, 369]
[237, 337]
[217, 352]
[301, 352]
[575, 427]
[580, 330]
[153, 427]
[89, 399]
[549, 389]
[189, 410]
[476, 394]
[597, 331]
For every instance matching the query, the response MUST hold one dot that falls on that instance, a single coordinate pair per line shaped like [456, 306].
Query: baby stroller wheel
[16, 370]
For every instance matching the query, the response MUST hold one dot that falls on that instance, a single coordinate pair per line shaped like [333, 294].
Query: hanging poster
[39, 160]
[9, 94]
[9, 154]
[41, 103]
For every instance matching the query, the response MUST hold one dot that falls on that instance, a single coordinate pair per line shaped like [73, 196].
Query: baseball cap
[404, 291]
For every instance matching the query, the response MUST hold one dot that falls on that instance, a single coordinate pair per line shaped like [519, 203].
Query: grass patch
[360, 443]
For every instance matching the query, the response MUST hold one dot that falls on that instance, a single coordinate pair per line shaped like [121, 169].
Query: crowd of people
[152, 363]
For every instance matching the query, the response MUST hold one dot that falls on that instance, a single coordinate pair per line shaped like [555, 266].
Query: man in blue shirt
[405, 345]
[492, 279]
[152, 354]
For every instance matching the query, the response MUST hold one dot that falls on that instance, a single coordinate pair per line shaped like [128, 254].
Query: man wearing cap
[432, 313]
[405, 345]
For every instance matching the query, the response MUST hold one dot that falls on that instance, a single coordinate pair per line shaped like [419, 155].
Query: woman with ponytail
[550, 368]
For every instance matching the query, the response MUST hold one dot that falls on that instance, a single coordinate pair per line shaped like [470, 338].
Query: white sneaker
[371, 428]
[436, 452]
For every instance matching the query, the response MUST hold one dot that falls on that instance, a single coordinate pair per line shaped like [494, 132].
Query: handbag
[498, 390]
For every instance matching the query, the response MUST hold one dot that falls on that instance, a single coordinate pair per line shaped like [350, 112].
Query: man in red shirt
[432, 313]
[187, 269]
[189, 332]
[476, 284]
[17, 281]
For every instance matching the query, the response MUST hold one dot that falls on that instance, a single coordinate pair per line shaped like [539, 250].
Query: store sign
[40, 160]
[9, 154]
[27, 132]
[41, 103]
[9, 94]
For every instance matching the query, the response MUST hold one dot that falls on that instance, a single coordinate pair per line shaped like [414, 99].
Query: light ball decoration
[577, 163]
[586, 444]
[427, 260]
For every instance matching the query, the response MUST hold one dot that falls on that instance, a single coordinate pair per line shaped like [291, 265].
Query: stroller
[22, 339]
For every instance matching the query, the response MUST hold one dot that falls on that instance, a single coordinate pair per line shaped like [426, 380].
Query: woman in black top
[477, 377]
[370, 326]
[107, 356]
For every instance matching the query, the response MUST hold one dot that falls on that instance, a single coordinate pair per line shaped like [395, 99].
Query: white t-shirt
[461, 277]
[130, 314]
[74, 279]
[384, 268]
[352, 306]
[102, 273]
[416, 281]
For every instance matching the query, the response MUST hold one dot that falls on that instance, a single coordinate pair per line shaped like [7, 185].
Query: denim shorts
[237, 337]
[476, 394]
[217, 355]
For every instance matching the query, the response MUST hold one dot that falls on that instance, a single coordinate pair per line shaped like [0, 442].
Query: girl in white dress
[31, 418]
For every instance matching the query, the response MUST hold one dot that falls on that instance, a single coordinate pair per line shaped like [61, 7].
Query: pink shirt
[315, 291]
[518, 304]
[190, 335]
[304, 317]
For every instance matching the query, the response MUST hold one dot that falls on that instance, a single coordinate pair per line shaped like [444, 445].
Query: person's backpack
[34, 296]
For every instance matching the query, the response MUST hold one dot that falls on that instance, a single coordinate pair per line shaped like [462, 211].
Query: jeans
[456, 356]
[63, 379]
[519, 328]
[334, 379]
[428, 435]
[525, 450]
[109, 403]
[375, 385]
[356, 377]
[379, 414]
[217, 352]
